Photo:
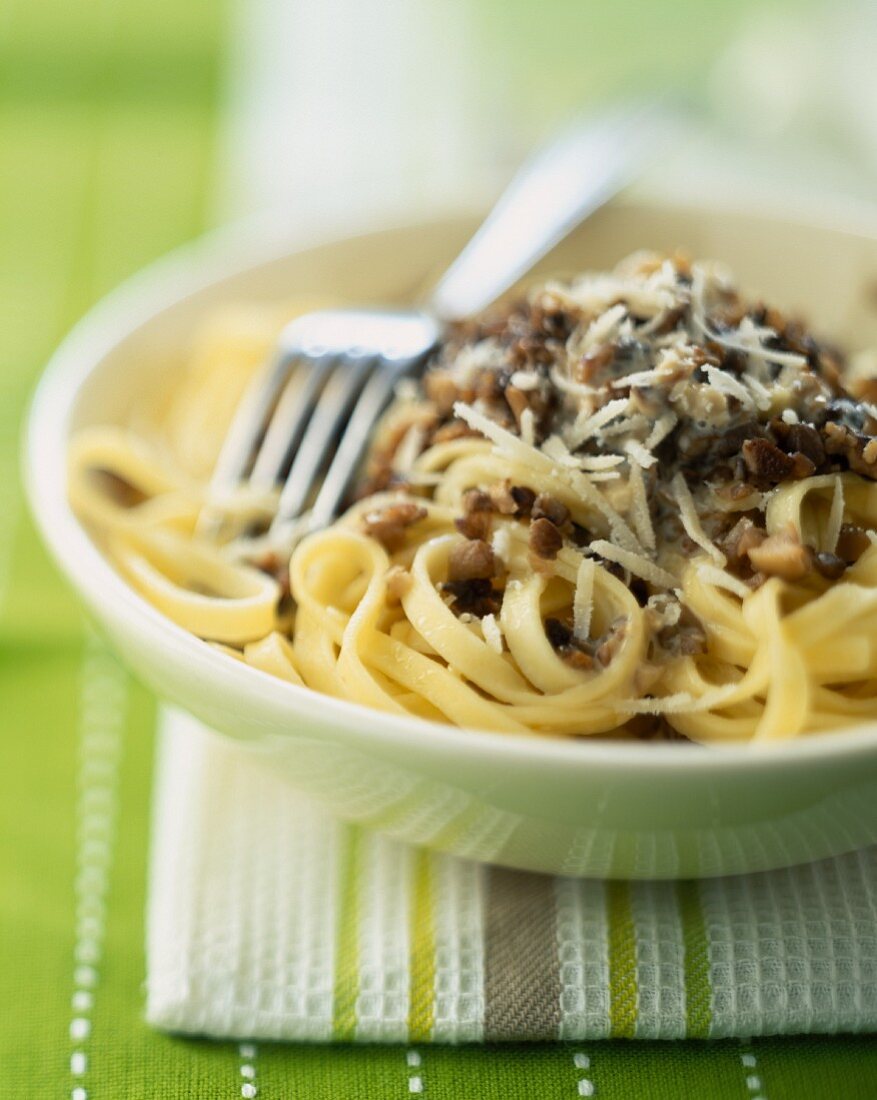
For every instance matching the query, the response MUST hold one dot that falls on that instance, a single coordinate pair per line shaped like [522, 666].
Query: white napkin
[268, 919]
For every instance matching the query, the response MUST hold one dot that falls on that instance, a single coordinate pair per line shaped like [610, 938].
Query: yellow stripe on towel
[346, 990]
[421, 1006]
[623, 990]
[698, 994]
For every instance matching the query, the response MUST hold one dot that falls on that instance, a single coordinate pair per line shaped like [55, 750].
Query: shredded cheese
[639, 454]
[640, 378]
[583, 601]
[681, 702]
[501, 544]
[473, 358]
[409, 448]
[492, 632]
[504, 440]
[570, 386]
[510, 444]
[835, 517]
[639, 509]
[749, 342]
[729, 385]
[525, 380]
[597, 467]
[599, 462]
[528, 427]
[595, 293]
[761, 393]
[666, 704]
[633, 563]
[556, 449]
[663, 426]
[664, 609]
[601, 330]
[591, 424]
[691, 520]
[630, 424]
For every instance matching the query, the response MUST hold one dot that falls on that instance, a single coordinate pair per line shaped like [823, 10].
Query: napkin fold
[269, 919]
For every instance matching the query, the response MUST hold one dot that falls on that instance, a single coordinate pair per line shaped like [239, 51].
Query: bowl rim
[247, 245]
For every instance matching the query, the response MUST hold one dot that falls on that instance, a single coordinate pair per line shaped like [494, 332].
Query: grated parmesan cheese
[409, 449]
[492, 632]
[691, 520]
[639, 509]
[630, 424]
[681, 702]
[528, 427]
[583, 601]
[501, 544]
[761, 393]
[620, 530]
[589, 426]
[473, 358]
[639, 454]
[749, 342]
[570, 386]
[640, 378]
[604, 328]
[663, 426]
[595, 293]
[508, 443]
[556, 449]
[835, 517]
[525, 380]
[633, 563]
[664, 610]
[505, 441]
[729, 385]
[599, 462]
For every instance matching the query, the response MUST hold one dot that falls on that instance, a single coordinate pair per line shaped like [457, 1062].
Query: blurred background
[364, 107]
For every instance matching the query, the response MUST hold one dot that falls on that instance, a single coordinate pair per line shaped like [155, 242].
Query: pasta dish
[633, 504]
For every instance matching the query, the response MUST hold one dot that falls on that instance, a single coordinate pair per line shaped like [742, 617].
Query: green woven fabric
[105, 126]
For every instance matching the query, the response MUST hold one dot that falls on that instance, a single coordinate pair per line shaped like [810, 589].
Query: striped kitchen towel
[268, 919]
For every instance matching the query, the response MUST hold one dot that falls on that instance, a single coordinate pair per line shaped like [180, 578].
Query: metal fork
[309, 412]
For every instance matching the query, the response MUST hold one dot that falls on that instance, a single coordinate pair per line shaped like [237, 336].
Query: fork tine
[337, 399]
[288, 423]
[248, 423]
[244, 432]
[374, 397]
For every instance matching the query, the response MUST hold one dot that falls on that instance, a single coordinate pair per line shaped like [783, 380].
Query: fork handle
[577, 172]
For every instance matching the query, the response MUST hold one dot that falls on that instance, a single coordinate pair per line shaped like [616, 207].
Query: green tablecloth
[106, 115]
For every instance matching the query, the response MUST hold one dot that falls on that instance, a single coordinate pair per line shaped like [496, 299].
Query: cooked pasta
[633, 504]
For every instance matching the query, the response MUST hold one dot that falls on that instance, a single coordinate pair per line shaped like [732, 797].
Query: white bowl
[573, 807]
